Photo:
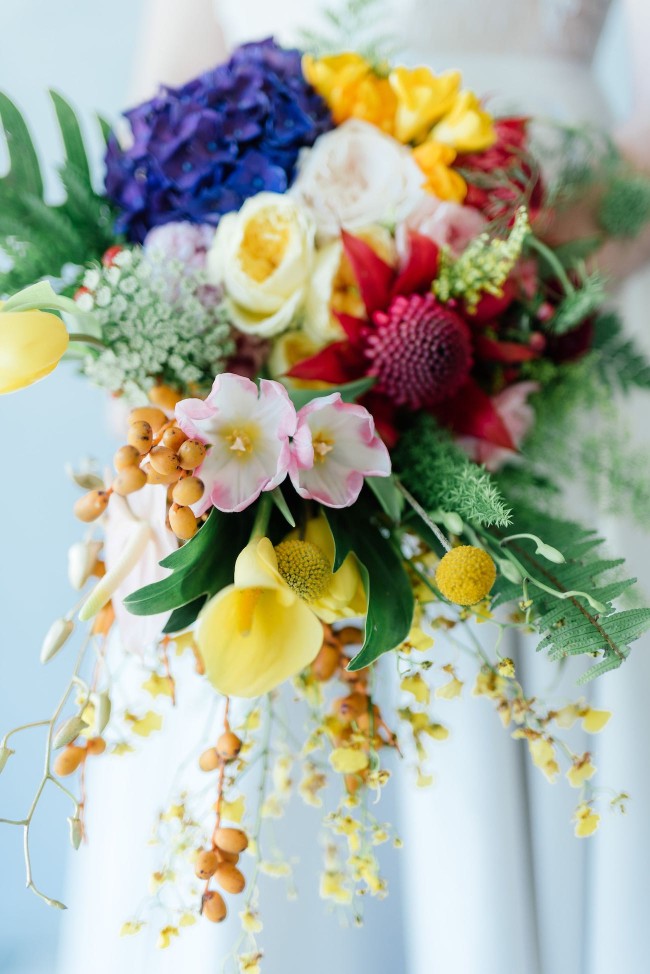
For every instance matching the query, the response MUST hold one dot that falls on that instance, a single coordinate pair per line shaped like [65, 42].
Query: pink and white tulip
[335, 446]
[247, 431]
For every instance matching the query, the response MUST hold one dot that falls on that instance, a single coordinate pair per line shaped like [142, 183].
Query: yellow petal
[348, 760]
[416, 685]
[251, 640]
[579, 772]
[467, 127]
[32, 344]
[594, 720]
[233, 811]
[158, 685]
[586, 821]
[144, 726]
[450, 690]
[422, 99]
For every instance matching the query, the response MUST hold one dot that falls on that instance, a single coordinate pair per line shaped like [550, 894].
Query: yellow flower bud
[31, 345]
[467, 127]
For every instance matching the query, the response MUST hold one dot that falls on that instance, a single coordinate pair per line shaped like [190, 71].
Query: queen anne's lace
[159, 322]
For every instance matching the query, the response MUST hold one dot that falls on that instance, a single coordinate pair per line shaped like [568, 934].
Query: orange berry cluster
[73, 755]
[156, 452]
[219, 862]
[356, 712]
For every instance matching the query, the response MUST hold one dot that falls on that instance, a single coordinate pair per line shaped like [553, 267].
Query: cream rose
[355, 176]
[262, 257]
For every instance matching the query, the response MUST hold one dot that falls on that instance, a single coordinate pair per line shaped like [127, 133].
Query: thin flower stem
[417, 507]
[16, 730]
[552, 260]
[262, 517]
[84, 339]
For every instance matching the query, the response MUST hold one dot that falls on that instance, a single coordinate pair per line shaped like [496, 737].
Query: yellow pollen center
[239, 442]
[304, 568]
[322, 446]
[263, 246]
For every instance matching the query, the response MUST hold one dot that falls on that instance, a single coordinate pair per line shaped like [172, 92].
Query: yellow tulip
[32, 344]
[467, 127]
[265, 627]
[435, 160]
[422, 100]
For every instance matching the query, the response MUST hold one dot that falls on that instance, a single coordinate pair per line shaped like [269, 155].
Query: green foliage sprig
[41, 238]
[442, 477]
[354, 27]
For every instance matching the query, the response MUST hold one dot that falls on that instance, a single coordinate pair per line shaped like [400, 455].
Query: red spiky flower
[419, 350]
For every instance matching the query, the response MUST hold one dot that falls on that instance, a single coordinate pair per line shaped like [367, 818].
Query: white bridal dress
[491, 879]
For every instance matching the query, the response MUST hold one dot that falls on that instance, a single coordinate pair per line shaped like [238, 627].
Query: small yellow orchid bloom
[32, 343]
[265, 627]
[467, 127]
[422, 100]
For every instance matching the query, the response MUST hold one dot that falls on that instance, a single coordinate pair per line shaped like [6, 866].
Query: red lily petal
[353, 327]
[510, 352]
[471, 412]
[421, 266]
[337, 363]
[373, 275]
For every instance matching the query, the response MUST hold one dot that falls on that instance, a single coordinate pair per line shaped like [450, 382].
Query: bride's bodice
[556, 28]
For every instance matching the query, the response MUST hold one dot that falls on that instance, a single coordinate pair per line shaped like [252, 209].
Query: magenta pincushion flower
[247, 432]
[420, 351]
[335, 446]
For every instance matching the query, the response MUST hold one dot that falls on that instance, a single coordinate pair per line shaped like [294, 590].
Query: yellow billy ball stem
[465, 575]
[31, 346]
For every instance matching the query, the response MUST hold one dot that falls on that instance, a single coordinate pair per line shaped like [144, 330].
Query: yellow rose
[435, 160]
[265, 627]
[352, 89]
[422, 100]
[262, 256]
[32, 344]
[467, 127]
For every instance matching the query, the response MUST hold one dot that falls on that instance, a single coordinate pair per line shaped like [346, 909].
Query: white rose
[354, 176]
[262, 257]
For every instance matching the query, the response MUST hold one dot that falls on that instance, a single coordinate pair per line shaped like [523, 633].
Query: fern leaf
[24, 175]
[619, 362]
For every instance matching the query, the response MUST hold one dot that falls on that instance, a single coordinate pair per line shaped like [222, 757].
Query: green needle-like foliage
[441, 476]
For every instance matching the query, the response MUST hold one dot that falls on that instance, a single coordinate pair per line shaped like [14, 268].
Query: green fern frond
[354, 27]
[38, 237]
[570, 626]
[619, 362]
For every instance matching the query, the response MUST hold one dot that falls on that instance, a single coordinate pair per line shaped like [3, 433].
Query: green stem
[84, 339]
[552, 260]
[417, 507]
[262, 517]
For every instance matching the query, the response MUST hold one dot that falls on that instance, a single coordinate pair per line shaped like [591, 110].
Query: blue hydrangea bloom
[200, 150]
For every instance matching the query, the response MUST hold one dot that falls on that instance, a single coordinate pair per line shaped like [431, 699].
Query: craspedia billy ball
[420, 351]
[465, 575]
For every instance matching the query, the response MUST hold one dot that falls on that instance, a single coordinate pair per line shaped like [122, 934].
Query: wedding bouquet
[349, 374]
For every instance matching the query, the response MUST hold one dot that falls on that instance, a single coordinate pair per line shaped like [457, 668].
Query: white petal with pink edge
[335, 447]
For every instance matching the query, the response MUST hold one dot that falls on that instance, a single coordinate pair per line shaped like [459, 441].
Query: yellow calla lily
[265, 627]
[32, 344]
[422, 100]
[467, 127]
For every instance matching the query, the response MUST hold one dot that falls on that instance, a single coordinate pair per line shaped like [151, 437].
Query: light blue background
[86, 50]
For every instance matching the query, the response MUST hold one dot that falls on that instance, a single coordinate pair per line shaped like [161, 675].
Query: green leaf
[282, 506]
[183, 617]
[105, 127]
[349, 392]
[24, 174]
[201, 567]
[388, 589]
[75, 150]
[392, 502]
